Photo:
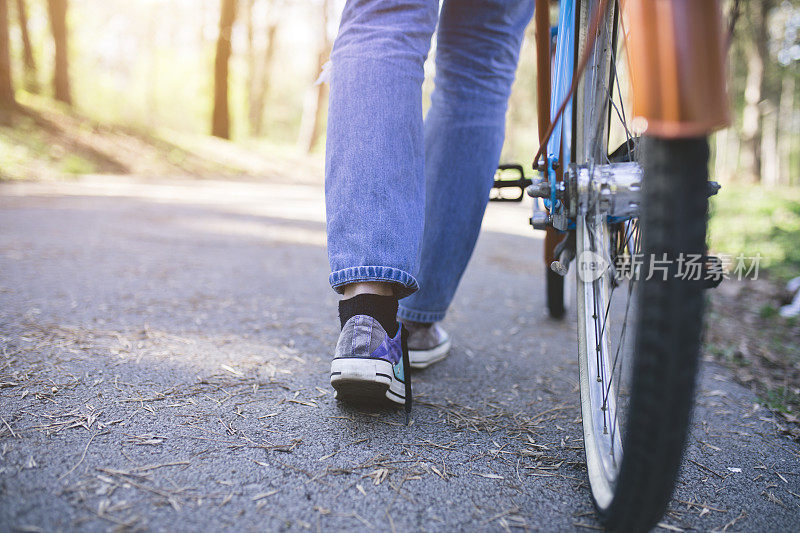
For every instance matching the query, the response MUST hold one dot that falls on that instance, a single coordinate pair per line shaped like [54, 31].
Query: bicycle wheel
[555, 295]
[638, 333]
[554, 281]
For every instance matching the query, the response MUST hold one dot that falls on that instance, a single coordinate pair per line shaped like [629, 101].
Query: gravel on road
[164, 359]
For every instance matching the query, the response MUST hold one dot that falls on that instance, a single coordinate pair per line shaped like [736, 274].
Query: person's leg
[374, 188]
[374, 178]
[476, 58]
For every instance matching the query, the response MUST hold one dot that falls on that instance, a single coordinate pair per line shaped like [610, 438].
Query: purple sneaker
[369, 365]
[427, 344]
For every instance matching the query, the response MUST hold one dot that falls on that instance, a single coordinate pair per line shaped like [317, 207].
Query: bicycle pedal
[501, 182]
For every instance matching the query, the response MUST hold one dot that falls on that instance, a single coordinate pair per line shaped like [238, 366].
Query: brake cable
[590, 40]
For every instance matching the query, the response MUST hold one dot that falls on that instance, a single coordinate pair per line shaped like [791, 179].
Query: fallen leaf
[264, 495]
[489, 476]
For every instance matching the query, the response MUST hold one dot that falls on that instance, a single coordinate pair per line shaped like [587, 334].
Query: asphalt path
[164, 359]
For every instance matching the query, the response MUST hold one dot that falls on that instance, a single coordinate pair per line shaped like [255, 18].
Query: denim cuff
[404, 283]
[404, 313]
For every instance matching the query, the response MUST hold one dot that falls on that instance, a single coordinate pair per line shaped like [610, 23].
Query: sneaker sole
[424, 358]
[363, 380]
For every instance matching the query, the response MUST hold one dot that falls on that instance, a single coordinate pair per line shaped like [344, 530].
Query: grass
[751, 220]
[27, 148]
[744, 328]
[745, 332]
[781, 399]
[47, 140]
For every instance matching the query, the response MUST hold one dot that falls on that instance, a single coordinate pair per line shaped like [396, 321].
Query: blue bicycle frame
[559, 147]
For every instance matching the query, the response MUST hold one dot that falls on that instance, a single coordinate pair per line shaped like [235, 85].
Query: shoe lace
[406, 373]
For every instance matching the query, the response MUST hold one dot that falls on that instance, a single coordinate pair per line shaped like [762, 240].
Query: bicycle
[605, 207]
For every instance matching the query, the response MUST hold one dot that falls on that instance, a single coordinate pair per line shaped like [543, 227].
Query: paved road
[164, 359]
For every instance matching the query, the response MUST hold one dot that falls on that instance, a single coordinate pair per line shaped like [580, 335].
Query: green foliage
[754, 220]
[781, 399]
[729, 354]
[75, 164]
[149, 65]
[767, 311]
[27, 150]
[48, 140]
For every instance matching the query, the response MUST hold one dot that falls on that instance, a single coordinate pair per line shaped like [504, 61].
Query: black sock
[381, 308]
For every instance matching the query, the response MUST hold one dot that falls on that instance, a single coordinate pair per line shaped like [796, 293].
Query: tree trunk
[314, 106]
[261, 73]
[221, 123]
[264, 79]
[756, 53]
[251, 62]
[6, 86]
[57, 11]
[151, 71]
[7, 102]
[786, 128]
[733, 150]
[721, 155]
[751, 116]
[28, 62]
[313, 112]
[769, 145]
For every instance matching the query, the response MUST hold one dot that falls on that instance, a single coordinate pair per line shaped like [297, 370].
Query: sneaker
[427, 344]
[369, 365]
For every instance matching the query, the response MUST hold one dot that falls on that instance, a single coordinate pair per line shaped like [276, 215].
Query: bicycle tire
[555, 294]
[668, 336]
[631, 492]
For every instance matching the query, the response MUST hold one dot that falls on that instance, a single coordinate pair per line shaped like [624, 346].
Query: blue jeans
[405, 199]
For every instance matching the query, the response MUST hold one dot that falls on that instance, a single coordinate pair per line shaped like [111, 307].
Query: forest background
[226, 89]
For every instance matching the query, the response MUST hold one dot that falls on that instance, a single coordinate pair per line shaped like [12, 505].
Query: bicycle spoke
[611, 242]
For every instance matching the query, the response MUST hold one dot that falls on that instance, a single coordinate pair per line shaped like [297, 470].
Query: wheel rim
[605, 348]
[605, 321]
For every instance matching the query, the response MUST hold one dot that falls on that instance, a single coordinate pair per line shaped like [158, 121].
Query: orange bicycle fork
[676, 50]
